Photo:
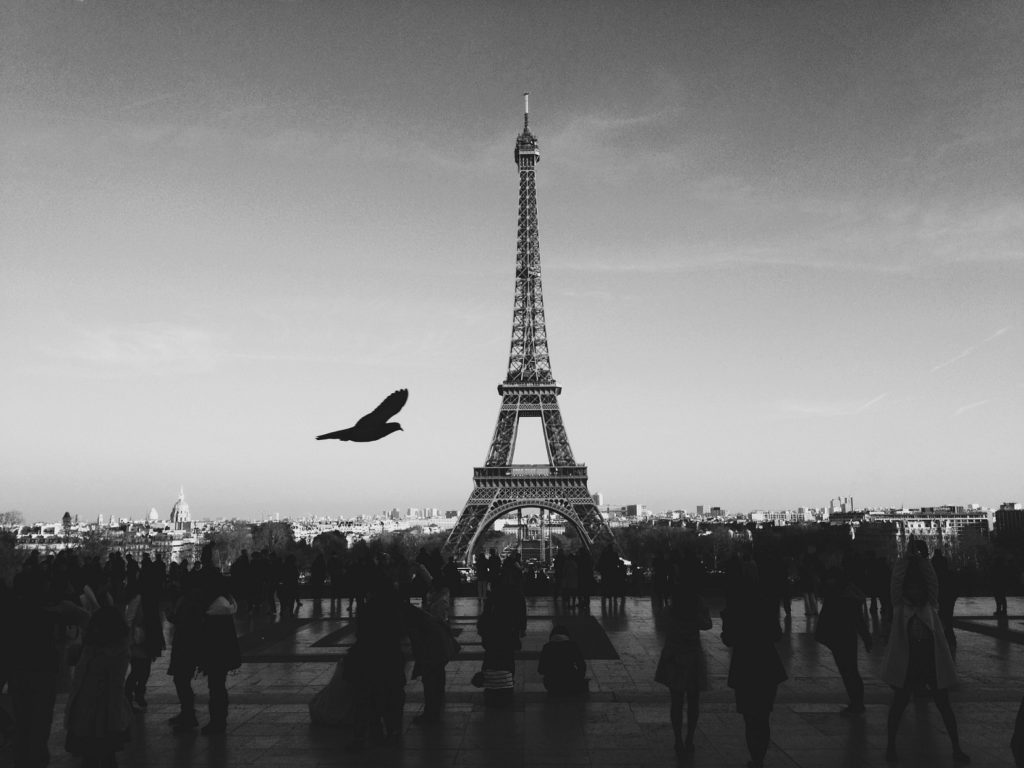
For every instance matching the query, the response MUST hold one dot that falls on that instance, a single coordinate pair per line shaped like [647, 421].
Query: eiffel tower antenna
[529, 391]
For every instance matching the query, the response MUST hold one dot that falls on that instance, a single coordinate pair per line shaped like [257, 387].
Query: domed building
[180, 517]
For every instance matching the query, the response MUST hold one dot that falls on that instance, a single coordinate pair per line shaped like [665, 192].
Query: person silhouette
[840, 622]
[750, 627]
[98, 716]
[917, 654]
[562, 665]
[682, 666]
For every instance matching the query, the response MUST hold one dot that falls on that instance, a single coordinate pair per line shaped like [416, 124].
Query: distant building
[1010, 517]
[181, 518]
[937, 526]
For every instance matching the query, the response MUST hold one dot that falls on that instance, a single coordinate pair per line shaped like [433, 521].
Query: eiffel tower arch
[529, 391]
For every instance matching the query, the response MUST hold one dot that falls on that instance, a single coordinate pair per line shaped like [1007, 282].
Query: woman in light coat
[918, 654]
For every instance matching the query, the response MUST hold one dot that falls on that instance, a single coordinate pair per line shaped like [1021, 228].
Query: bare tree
[11, 518]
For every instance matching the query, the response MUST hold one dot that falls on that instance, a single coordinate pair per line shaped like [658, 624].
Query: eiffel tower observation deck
[529, 391]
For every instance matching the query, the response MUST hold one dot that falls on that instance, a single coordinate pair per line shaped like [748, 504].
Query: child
[98, 715]
[682, 665]
[562, 665]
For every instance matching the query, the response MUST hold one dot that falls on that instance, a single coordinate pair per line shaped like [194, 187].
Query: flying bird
[374, 425]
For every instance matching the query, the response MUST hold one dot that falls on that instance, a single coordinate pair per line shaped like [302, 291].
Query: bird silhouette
[374, 425]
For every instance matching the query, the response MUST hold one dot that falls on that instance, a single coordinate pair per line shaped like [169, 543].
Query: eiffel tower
[529, 391]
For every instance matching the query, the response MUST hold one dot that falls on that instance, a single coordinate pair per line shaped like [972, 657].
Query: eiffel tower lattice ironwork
[529, 391]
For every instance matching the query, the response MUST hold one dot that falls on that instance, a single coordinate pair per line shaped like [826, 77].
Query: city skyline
[781, 250]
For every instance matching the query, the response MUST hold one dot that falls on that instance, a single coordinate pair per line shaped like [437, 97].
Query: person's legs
[675, 716]
[138, 677]
[692, 715]
[217, 683]
[846, 662]
[391, 709]
[949, 720]
[900, 699]
[186, 700]
[757, 730]
[433, 692]
[32, 700]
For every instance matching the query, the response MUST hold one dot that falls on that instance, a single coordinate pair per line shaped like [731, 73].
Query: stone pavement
[624, 722]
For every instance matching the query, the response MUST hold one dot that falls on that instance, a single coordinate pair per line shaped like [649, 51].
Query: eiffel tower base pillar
[500, 490]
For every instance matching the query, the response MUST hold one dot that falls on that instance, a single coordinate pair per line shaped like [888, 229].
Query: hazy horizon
[781, 247]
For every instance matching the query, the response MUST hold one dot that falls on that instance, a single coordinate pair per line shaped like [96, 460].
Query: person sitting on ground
[562, 665]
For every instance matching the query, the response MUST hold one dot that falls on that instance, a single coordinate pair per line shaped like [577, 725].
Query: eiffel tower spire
[528, 359]
[529, 391]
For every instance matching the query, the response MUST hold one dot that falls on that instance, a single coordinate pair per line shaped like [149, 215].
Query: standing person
[585, 566]
[438, 601]
[98, 716]
[570, 580]
[999, 578]
[562, 665]
[429, 639]
[187, 619]
[336, 572]
[29, 633]
[682, 666]
[840, 623]
[146, 636]
[451, 577]
[480, 571]
[493, 568]
[948, 592]
[810, 570]
[917, 654]
[288, 587]
[750, 627]
[375, 666]
[317, 578]
[219, 650]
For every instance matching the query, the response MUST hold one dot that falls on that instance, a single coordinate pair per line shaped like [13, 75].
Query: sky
[782, 248]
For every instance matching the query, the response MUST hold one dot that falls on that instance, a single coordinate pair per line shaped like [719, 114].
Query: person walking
[917, 654]
[750, 627]
[682, 666]
[840, 622]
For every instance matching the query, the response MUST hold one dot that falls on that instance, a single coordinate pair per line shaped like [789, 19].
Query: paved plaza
[624, 722]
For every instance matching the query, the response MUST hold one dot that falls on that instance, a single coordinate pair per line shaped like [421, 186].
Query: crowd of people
[95, 628]
[918, 656]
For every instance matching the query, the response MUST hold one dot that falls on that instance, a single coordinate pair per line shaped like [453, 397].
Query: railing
[530, 470]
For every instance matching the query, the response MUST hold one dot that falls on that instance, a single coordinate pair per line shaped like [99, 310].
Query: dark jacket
[750, 626]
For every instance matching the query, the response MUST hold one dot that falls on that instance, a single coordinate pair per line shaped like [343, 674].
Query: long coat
[897, 654]
[97, 716]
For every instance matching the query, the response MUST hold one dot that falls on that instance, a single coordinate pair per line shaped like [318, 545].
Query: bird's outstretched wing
[391, 405]
[341, 434]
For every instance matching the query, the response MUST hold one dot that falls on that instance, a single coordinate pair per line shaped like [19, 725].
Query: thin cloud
[752, 257]
[969, 350]
[145, 346]
[830, 409]
[971, 406]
